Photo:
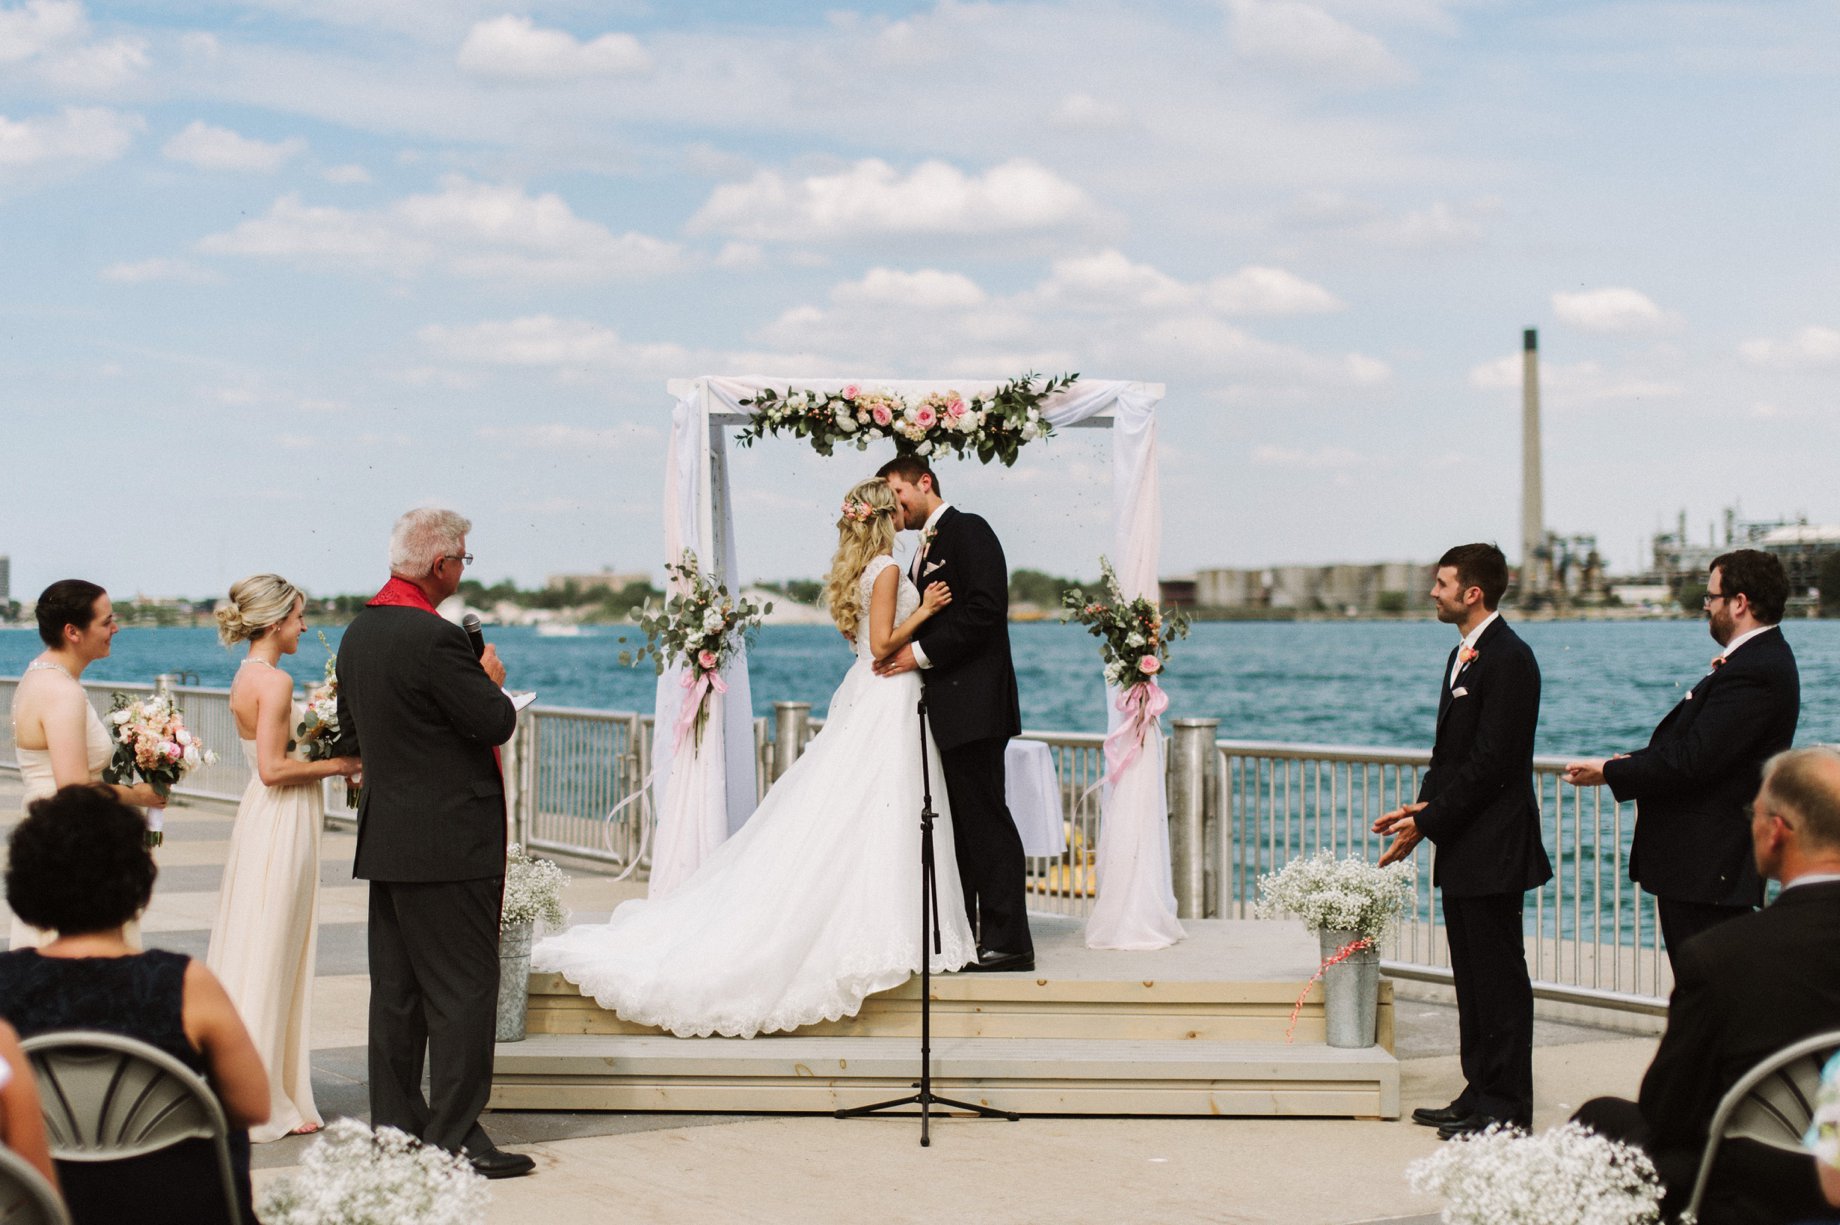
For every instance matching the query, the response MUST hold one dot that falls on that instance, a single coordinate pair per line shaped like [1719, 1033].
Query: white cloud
[99, 66]
[513, 48]
[146, 270]
[544, 340]
[1610, 309]
[1577, 385]
[347, 175]
[75, 138]
[213, 148]
[927, 289]
[1808, 348]
[1085, 113]
[39, 26]
[1330, 459]
[1268, 291]
[468, 228]
[52, 33]
[1300, 37]
[1104, 279]
[873, 198]
[573, 439]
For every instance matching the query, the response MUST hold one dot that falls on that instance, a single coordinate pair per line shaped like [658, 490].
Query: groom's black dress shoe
[497, 1163]
[1439, 1116]
[991, 961]
[1470, 1124]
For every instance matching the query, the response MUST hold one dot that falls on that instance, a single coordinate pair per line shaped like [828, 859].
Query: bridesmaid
[60, 738]
[262, 945]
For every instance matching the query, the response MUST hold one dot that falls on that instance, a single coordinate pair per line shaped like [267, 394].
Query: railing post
[1191, 782]
[791, 723]
[520, 777]
[164, 682]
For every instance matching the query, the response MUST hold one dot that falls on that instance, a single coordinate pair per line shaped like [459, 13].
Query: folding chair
[106, 1097]
[25, 1197]
[1772, 1104]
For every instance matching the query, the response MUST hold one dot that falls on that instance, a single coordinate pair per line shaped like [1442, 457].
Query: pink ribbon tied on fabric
[699, 683]
[1141, 705]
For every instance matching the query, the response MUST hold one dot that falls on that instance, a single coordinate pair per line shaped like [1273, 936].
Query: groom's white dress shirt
[1469, 640]
[919, 572]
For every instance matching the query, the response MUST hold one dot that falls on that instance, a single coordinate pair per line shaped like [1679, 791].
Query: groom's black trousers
[988, 848]
[434, 993]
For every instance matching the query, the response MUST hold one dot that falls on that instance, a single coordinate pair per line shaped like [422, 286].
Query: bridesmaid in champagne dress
[262, 945]
[59, 738]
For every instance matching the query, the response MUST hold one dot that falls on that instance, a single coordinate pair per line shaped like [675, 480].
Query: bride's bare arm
[885, 637]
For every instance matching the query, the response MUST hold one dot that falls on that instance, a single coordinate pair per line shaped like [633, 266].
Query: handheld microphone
[470, 623]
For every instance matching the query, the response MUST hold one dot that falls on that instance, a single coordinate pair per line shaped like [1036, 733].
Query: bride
[813, 905]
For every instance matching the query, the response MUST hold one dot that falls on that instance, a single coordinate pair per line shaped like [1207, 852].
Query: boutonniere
[1468, 655]
[926, 538]
[1718, 661]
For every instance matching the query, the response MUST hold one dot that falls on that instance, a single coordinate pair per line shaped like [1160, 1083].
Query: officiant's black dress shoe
[992, 961]
[1470, 1124]
[1439, 1116]
[497, 1163]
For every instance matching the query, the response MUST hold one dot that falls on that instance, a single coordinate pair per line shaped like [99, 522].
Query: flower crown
[858, 511]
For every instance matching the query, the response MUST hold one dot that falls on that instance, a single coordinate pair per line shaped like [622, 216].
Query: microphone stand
[930, 943]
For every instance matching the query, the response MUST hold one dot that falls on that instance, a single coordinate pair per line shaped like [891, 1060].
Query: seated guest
[22, 1127]
[1744, 990]
[79, 866]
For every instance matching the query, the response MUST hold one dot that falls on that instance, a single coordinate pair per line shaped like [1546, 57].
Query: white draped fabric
[692, 817]
[1136, 904]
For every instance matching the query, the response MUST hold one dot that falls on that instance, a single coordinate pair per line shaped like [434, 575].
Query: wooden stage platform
[1197, 1029]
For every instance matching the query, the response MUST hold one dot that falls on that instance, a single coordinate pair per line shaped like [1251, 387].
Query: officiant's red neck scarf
[401, 593]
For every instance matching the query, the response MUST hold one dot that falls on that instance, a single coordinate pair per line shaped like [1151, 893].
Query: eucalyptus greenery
[699, 625]
[1130, 631]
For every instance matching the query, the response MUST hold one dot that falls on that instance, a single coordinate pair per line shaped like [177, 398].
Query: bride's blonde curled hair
[865, 529]
[255, 604]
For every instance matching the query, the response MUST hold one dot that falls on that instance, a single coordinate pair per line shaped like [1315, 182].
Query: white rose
[184, 737]
[191, 757]
[1030, 433]
[846, 423]
[712, 621]
[798, 401]
[925, 448]
[1134, 639]
[119, 717]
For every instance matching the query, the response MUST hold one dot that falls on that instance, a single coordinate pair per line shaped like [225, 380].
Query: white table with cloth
[1034, 795]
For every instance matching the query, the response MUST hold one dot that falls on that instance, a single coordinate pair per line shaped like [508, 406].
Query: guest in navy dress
[79, 865]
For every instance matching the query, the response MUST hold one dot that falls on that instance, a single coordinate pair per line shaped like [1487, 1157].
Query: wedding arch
[1135, 907]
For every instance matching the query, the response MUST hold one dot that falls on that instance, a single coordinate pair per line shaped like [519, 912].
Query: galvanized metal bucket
[513, 980]
[1351, 990]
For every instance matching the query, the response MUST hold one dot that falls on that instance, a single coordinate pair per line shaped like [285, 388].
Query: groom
[963, 655]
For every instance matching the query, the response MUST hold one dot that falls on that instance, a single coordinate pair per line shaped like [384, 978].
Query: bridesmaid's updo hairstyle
[865, 529]
[79, 862]
[70, 601]
[256, 604]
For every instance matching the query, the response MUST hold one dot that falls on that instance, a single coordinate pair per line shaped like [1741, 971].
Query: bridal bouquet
[317, 733]
[700, 627]
[1568, 1175]
[354, 1176]
[992, 426]
[1134, 637]
[153, 745]
[1331, 894]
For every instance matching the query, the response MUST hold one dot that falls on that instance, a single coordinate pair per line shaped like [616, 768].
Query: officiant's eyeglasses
[1706, 600]
[465, 559]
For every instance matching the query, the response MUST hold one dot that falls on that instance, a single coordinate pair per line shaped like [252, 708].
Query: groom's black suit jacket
[1694, 783]
[1482, 815]
[970, 680]
[416, 705]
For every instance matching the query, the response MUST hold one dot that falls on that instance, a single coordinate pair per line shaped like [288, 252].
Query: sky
[272, 271]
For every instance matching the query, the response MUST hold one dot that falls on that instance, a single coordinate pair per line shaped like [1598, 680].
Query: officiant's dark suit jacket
[1694, 783]
[1481, 815]
[1743, 990]
[971, 680]
[416, 705]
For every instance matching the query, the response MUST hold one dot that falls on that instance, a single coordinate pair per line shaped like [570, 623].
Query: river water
[1358, 683]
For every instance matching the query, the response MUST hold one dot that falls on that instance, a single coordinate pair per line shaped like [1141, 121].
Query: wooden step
[1030, 1076]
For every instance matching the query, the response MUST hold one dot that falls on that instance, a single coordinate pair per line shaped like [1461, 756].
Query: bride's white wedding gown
[814, 905]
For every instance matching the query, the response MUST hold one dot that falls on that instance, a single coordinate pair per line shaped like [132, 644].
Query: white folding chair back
[25, 1197]
[1772, 1104]
[105, 1097]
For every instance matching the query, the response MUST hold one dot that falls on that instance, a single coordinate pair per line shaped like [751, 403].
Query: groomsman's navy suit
[1694, 783]
[1484, 819]
[973, 710]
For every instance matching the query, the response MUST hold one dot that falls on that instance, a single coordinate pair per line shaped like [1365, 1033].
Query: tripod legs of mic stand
[925, 1098]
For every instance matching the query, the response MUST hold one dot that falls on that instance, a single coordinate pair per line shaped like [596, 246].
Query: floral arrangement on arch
[701, 627]
[1134, 636]
[1331, 894]
[533, 890]
[152, 744]
[354, 1176]
[942, 423]
[1567, 1175]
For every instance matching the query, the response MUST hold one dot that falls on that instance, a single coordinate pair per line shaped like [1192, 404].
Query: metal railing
[1238, 809]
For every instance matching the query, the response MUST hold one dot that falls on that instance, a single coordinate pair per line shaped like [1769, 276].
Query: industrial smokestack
[1533, 513]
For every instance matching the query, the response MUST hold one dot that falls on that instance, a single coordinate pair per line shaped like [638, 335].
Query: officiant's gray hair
[423, 536]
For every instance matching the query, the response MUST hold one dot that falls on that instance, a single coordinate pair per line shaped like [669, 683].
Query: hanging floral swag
[943, 423]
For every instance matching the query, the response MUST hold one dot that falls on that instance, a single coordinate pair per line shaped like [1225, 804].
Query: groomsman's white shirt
[1743, 638]
[919, 573]
[1469, 640]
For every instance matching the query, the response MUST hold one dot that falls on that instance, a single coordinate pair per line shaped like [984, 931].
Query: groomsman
[1693, 783]
[1478, 806]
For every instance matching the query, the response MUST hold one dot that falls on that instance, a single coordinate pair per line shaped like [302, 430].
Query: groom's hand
[901, 661]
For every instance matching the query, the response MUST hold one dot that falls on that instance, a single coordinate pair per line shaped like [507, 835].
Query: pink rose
[1149, 665]
[171, 750]
[706, 660]
[881, 414]
[925, 417]
[956, 409]
[851, 392]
